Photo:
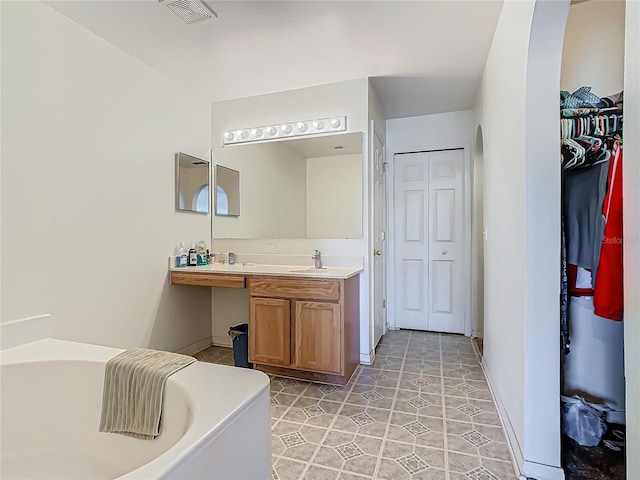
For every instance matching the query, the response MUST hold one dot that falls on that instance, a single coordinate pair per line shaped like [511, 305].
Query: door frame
[391, 225]
[371, 239]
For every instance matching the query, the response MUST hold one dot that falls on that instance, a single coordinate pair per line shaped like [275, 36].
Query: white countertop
[279, 270]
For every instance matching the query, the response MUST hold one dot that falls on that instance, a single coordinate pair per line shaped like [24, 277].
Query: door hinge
[382, 236]
[384, 303]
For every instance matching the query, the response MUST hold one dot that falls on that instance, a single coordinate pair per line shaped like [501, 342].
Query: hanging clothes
[608, 298]
[584, 192]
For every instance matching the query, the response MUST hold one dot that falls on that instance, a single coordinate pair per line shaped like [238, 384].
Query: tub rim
[206, 422]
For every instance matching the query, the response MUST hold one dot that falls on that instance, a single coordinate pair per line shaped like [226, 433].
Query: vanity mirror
[192, 184]
[295, 188]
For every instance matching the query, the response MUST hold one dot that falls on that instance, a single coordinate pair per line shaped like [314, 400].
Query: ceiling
[423, 56]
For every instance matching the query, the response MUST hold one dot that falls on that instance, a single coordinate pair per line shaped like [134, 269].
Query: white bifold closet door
[429, 240]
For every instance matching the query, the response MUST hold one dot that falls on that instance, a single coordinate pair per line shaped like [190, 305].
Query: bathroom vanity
[303, 322]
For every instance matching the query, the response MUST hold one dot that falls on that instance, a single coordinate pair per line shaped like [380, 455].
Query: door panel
[411, 252]
[441, 286]
[269, 331]
[317, 331]
[414, 215]
[429, 240]
[446, 241]
[445, 215]
[413, 294]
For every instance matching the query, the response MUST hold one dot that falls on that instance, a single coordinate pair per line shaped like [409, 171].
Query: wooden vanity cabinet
[306, 328]
[318, 332]
[269, 331]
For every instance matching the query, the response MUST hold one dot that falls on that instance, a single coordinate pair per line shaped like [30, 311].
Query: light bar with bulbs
[284, 130]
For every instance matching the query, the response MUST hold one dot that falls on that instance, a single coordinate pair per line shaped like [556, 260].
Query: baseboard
[538, 471]
[477, 333]
[527, 470]
[195, 347]
[517, 456]
[224, 341]
[367, 358]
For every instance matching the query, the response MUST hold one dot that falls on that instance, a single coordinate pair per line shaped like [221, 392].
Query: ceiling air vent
[191, 11]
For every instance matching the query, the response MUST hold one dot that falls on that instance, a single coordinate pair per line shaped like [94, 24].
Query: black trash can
[240, 335]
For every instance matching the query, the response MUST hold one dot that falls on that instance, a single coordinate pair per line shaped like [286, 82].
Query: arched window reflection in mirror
[201, 199]
[222, 201]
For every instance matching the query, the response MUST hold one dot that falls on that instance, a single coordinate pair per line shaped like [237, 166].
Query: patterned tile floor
[422, 411]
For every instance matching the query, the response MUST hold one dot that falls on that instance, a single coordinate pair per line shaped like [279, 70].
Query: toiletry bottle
[181, 256]
[232, 258]
[201, 249]
[193, 256]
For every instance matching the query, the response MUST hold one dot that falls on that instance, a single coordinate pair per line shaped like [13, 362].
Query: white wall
[88, 186]
[517, 108]
[505, 283]
[502, 119]
[593, 51]
[421, 133]
[344, 98]
[376, 114]
[334, 201]
[272, 192]
[348, 98]
[442, 130]
[631, 188]
[542, 187]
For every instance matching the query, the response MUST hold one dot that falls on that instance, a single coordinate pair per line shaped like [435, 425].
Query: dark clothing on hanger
[584, 191]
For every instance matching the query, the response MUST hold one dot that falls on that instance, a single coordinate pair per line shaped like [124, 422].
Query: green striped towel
[133, 389]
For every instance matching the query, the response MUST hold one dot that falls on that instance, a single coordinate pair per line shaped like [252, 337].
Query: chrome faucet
[317, 257]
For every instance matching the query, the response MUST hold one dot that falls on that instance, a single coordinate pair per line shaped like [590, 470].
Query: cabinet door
[270, 331]
[318, 336]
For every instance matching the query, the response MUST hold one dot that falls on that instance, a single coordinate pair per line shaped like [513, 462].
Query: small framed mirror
[192, 184]
[227, 195]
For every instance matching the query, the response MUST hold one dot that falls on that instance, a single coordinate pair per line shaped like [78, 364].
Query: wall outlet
[270, 247]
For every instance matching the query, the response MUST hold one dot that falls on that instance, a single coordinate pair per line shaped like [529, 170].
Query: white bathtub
[215, 422]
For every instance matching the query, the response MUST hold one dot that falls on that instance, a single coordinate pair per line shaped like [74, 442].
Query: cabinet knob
[444, 252]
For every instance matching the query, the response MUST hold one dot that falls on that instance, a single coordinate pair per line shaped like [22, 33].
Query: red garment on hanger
[608, 298]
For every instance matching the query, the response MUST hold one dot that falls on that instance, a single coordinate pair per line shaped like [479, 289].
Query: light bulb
[285, 129]
[271, 130]
[335, 123]
[318, 125]
[302, 126]
[228, 136]
[256, 132]
[244, 134]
